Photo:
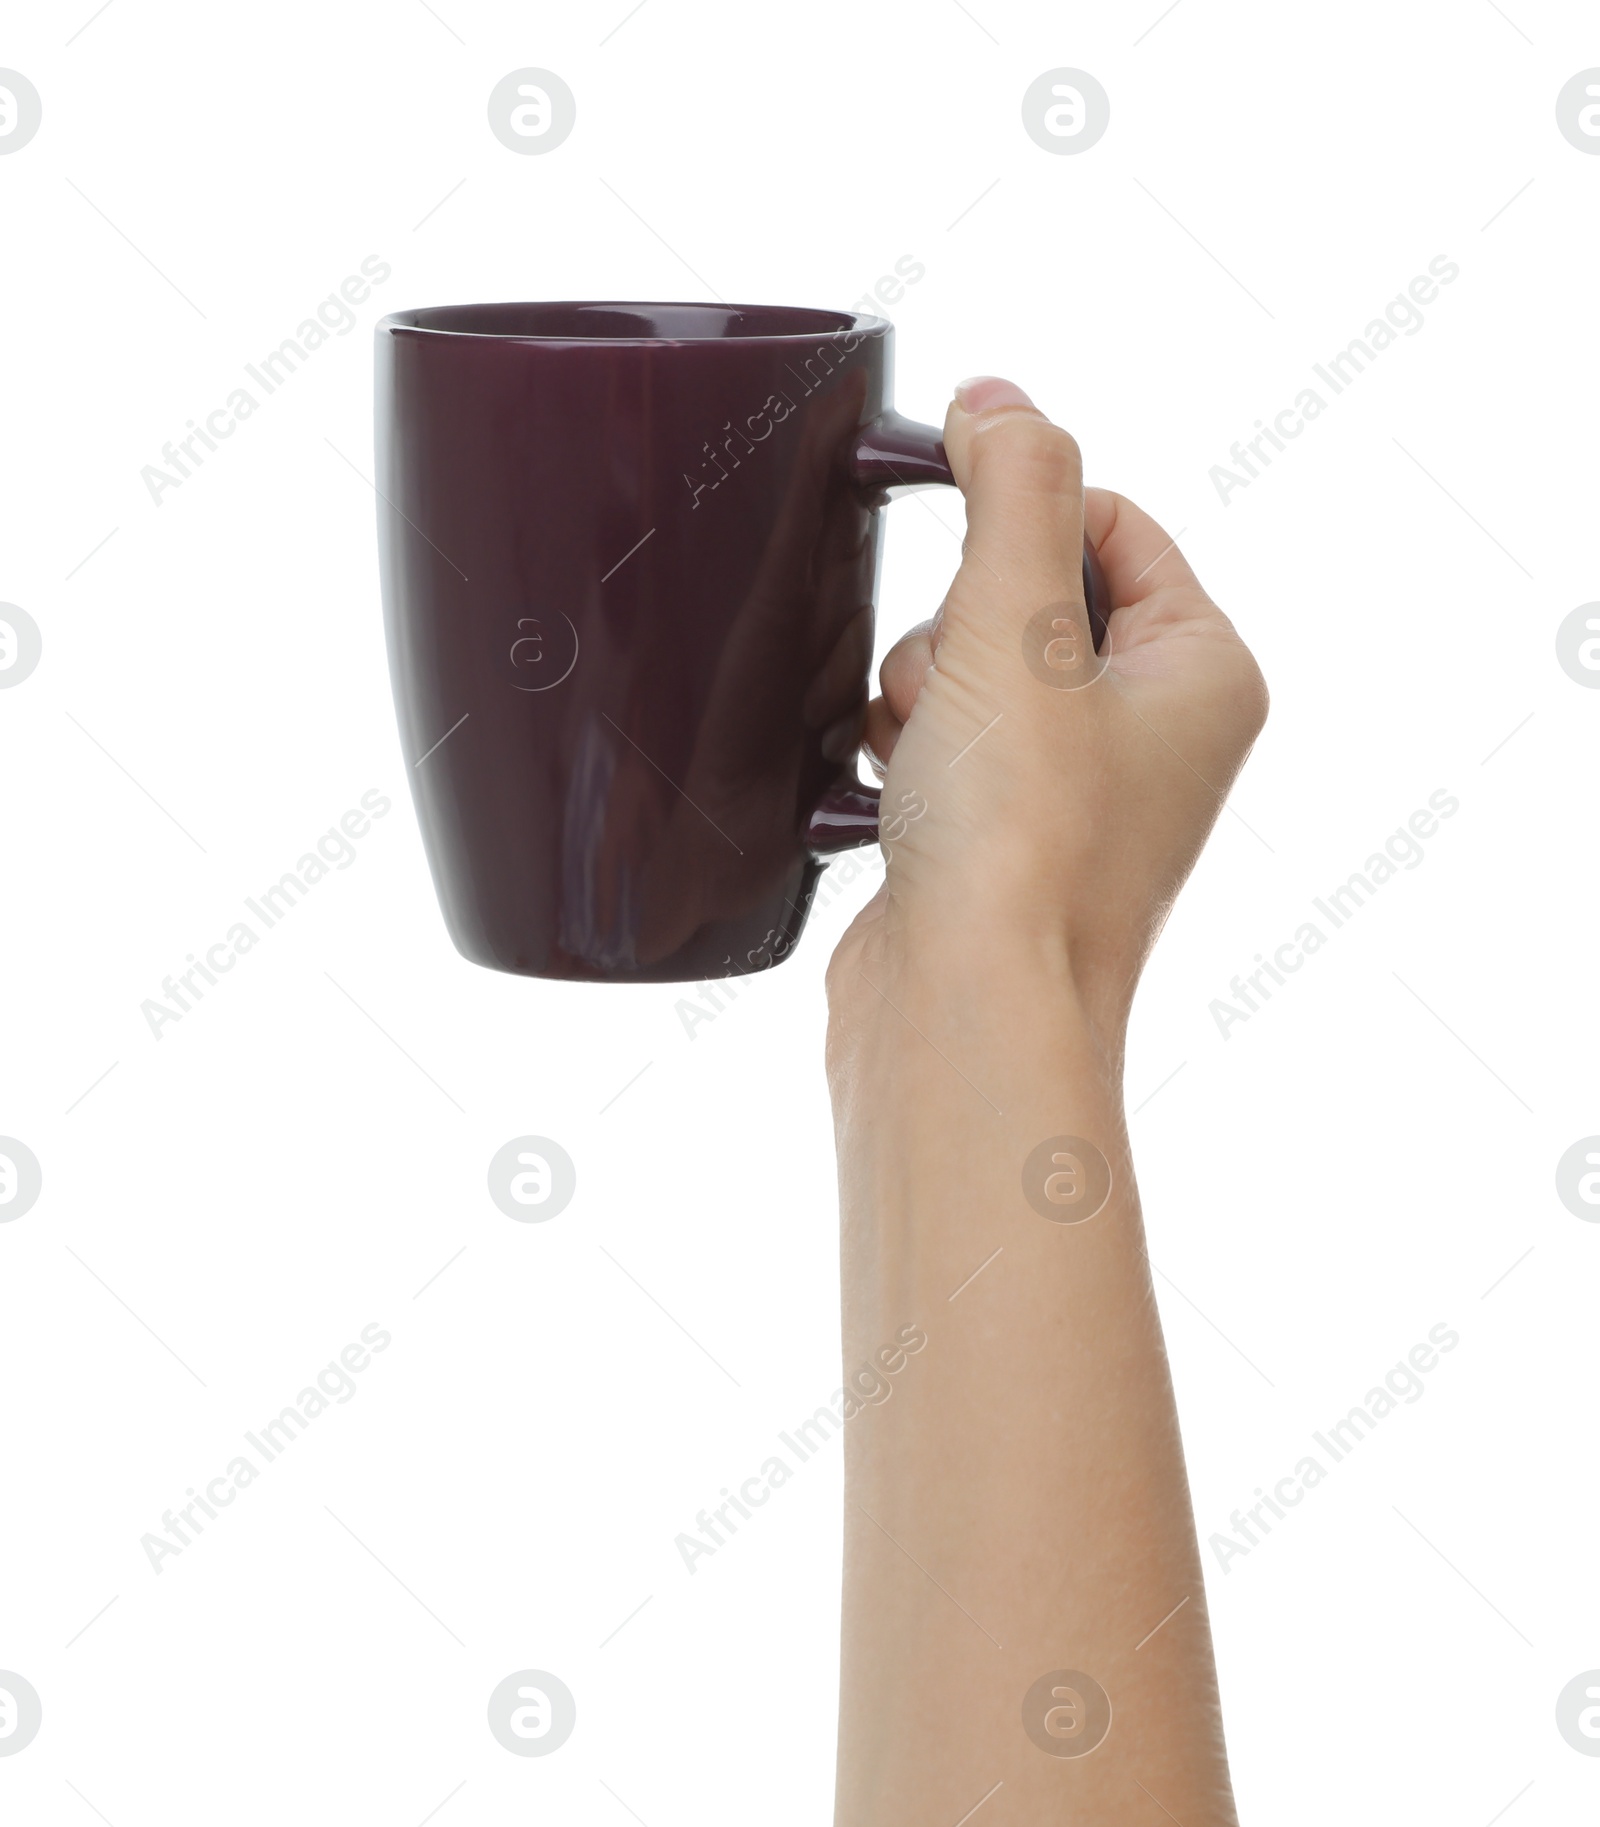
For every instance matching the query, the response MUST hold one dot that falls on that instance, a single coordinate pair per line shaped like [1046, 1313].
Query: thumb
[1022, 478]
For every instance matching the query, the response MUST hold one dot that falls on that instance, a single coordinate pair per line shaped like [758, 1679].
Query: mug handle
[892, 456]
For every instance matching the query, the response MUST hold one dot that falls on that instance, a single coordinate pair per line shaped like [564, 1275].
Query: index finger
[1138, 554]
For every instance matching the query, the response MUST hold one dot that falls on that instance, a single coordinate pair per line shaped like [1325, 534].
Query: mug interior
[613, 321]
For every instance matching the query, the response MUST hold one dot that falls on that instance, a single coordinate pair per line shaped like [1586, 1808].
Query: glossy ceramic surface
[629, 554]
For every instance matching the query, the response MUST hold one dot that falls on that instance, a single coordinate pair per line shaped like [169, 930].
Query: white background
[304, 1152]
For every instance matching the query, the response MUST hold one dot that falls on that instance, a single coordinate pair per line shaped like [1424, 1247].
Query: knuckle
[1262, 703]
[1252, 700]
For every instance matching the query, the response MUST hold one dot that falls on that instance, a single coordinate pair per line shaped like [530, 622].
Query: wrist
[1004, 987]
[978, 1115]
[948, 1070]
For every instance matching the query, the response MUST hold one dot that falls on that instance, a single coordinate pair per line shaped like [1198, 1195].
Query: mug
[629, 554]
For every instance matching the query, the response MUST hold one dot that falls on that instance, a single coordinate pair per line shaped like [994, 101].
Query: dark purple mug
[629, 555]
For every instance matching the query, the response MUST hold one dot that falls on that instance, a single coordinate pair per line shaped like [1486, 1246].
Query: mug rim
[826, 324]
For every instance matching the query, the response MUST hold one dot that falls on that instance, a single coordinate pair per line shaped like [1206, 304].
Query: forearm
[1017, 1505]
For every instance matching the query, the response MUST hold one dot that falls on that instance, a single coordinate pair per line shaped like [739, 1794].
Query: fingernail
[986, 392]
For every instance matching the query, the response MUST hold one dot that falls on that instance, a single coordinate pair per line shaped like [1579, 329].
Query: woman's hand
[1039, 796]
[1017, 1518]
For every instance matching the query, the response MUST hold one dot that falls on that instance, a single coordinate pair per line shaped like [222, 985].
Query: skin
[1017, 1505]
